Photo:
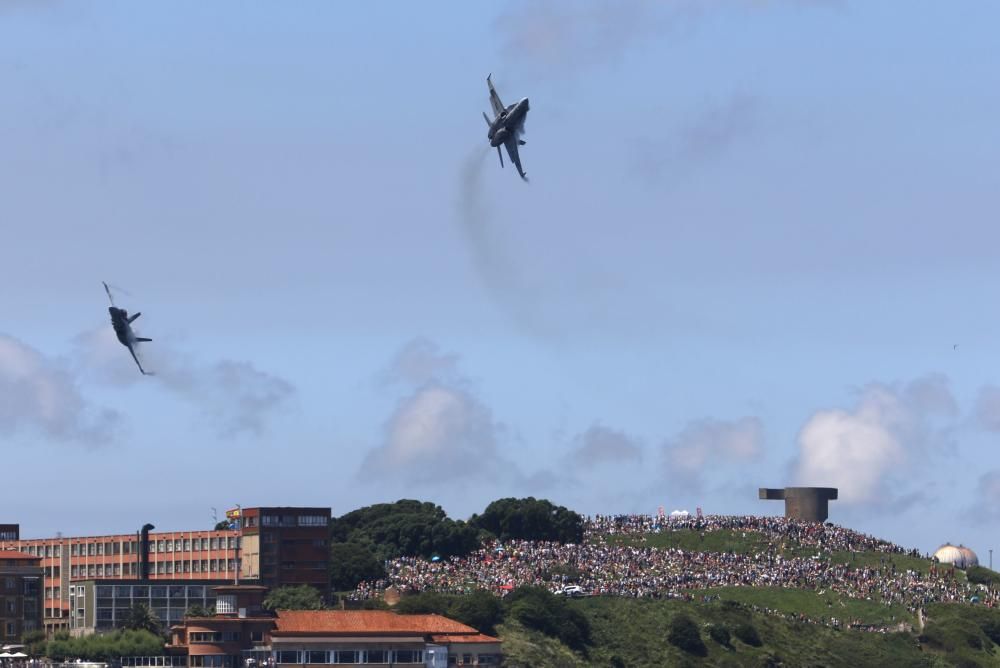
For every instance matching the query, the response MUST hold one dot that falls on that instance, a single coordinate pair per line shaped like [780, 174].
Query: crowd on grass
[793, 555]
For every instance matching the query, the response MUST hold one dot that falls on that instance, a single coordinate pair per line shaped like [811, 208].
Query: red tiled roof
[476, 637]
[301, 622]
[14, 554]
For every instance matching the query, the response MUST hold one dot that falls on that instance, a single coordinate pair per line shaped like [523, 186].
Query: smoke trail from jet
[493, 259]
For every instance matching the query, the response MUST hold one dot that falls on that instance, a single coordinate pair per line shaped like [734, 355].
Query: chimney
[144, 551]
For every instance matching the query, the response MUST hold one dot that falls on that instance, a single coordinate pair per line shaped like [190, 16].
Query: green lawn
[725, 540]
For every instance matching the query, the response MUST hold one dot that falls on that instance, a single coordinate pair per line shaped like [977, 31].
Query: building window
[57, 551]
[377, 656]
[288, 656]
[187, 544]
[409, 656]
[317, 657]
[11, 606]
[215, 543]
[178, 544]
[11, 629]
[346, 656]
[312, 521]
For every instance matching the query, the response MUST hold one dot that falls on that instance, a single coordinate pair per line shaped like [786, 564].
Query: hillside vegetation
[636, 632]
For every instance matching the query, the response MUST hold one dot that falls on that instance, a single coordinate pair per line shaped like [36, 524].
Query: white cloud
[711, 444]
[437, 433]
[421, 361]
[440, 431]
[861, 451]
[37, 392]
[602, 445]
[233, 397]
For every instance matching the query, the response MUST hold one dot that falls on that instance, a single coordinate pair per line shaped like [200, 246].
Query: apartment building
[272, 547]
[20, 595]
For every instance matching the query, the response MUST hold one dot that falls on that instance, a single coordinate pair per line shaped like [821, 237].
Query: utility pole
[991, 558]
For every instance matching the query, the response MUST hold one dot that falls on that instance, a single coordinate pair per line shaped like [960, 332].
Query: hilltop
[717, 590]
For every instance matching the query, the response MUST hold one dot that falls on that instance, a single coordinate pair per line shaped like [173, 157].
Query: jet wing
[495, 99]
[511, 145]
[141, 370]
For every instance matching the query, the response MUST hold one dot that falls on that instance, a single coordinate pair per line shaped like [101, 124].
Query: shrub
[747, 634]
[538, 609]
[684, 635]
[991, 628]
[980, 575]
[719, 634]
[426, 602]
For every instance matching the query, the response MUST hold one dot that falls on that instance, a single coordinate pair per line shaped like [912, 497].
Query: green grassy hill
[633, 632]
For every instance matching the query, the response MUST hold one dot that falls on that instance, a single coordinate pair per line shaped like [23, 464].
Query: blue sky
[753, 235]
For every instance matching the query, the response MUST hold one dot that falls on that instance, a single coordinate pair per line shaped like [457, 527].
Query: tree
[481, 610]
[301, 597]
[199, 610]
[530, 519]
[141, 618]
[34, 642]
[684, 634]
[539, 609]
[351, 563]
[424, 603]
[104, 646]
[406, 528]
[222, 525]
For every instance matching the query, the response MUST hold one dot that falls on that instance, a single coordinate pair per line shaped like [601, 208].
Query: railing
[173, 661]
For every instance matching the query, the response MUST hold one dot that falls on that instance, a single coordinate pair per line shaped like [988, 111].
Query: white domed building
[957, 555]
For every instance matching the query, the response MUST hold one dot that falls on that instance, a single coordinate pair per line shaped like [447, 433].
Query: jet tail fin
[142, 340]
[500, 155]
[133, 317]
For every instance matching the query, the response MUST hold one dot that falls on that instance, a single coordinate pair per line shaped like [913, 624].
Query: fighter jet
[507, 126]
[122, 322]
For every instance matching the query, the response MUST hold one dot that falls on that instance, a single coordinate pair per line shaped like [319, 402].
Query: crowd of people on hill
[630, 568]
[829, 537]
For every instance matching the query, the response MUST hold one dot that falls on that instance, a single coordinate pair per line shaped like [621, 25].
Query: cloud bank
[710, 444]
[38, 393]
[440, 430]
[865, 451]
